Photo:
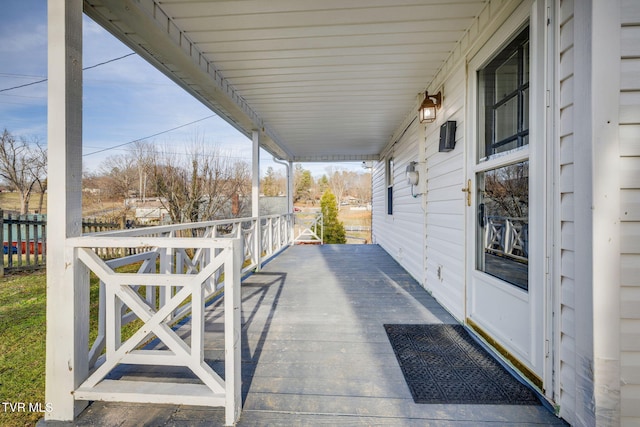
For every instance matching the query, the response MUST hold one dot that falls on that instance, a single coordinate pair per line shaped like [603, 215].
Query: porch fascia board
[337, 158]
[160, 42]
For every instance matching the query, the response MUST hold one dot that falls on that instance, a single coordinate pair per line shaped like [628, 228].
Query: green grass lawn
[22, 342]
[22, 345]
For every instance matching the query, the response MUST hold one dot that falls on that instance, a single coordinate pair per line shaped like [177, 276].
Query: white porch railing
[508, 237]
[309, 227]
[175, 270]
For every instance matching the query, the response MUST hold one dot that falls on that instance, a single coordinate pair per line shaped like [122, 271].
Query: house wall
[575, 247]
[445, 202]
[441, 240]
[630, 212]
[400, 234]
[567, 338]
[599, 381]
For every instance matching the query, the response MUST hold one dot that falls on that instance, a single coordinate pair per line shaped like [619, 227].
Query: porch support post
[290, 191]
[255, 197]
[232, 334]
[290, 187]
[605, 98]
[67, 281]
[597, 206]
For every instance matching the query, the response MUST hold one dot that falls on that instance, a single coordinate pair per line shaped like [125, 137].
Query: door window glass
[503, 223]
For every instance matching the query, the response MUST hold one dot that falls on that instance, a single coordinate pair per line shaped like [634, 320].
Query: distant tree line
[341, 182]
[198, 185]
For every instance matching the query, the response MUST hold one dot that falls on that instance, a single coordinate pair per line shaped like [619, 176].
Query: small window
[390, 173]
[504, 86]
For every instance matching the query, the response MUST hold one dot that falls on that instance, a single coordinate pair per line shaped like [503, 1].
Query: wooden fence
[24, 239]
[24, 242]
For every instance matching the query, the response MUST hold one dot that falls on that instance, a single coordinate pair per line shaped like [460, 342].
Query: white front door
[505, 184]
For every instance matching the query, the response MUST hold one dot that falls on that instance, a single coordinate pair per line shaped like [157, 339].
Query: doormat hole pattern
[444, 364]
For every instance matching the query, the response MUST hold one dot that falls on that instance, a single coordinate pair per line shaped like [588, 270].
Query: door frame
[543, 174]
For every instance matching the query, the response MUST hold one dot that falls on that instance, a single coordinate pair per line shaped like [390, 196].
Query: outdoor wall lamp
[427, 110]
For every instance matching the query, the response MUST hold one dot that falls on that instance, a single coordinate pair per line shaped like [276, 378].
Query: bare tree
[302, 183]
[22, 165]
[506, 191]
[170, 184]
[121, 172]
[144, 154]
[42, 186]
[202, 187]
[361, 189]
[239, 187]
[274, 183]
[339, 182]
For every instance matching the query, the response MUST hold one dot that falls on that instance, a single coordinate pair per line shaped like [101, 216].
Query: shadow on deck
[315, 352]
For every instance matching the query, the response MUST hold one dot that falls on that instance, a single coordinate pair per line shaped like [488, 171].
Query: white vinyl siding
[442, 237]
[630, 213]
[400, 234]
[444, 211]
[446, 203]
[567, 339]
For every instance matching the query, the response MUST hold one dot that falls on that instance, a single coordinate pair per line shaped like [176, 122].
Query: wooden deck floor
[315, 351]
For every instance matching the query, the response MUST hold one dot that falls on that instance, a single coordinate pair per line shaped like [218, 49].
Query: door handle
[467, 190]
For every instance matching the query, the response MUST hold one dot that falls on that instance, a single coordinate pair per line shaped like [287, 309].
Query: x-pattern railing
[309, 227]
[173, 271]
[507, 237]
[169, 274]
[193, 278]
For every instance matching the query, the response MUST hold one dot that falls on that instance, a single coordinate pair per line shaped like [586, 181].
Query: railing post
[19, 239]
[269, 236]
[255, 196]
[291, 227]
[9, 223]
[257, 243]
[232, 334]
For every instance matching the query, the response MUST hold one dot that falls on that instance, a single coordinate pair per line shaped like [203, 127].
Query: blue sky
[124, 100]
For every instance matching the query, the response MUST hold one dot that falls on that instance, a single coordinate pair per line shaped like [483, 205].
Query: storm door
[503, 302]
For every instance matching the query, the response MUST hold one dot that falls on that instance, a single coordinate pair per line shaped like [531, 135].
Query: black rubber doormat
[443, 364]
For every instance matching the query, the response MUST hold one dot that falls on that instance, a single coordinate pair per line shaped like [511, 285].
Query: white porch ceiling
[327, 80]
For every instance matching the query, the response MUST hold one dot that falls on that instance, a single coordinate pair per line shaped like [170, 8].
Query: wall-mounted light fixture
[427, 111]
[413, 178]
[412, 173]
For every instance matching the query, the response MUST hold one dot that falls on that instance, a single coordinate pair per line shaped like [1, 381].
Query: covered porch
[302, 339]
[315, 352]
